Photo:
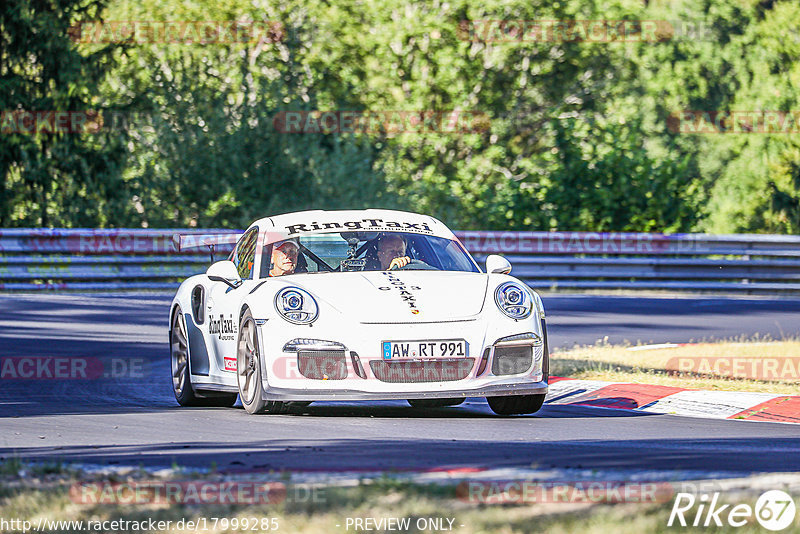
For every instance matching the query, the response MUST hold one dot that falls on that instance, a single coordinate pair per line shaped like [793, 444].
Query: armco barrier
[86, 259]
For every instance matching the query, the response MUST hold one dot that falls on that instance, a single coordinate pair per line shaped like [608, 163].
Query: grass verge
[742, 365]
[48, 496]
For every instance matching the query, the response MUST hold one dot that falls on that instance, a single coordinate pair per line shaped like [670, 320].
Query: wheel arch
[183, 296]
[199, 355]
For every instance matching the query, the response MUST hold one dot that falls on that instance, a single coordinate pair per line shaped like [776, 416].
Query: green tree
[53, 178]
[755, 175]
[205, 149]
[578, 133]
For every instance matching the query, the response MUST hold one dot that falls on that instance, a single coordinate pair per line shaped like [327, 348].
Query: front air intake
[512, 360]
[322, 364]
[422, 371]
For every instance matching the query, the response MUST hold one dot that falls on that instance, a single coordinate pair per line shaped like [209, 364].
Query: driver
[284, 257]
[391, 252]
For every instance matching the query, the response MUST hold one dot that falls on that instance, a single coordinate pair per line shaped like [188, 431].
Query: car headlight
[296, 306]
[513, 300]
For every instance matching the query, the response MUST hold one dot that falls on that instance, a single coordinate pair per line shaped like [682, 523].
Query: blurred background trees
[47, 179]
[578, 134]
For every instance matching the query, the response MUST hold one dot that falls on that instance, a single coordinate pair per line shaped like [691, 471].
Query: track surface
[135, 420]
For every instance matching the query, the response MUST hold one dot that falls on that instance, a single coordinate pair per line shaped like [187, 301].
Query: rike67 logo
[774, 510]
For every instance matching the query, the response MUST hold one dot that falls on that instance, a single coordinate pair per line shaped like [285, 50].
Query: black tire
[181, 373]
[179, 360]
[248, 371]
[434, 403]
[515, 404]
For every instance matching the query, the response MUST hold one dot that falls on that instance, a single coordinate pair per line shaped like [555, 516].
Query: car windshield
[373, 251]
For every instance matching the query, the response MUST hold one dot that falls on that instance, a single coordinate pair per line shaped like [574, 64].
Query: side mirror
[497, 264]
[224, 271]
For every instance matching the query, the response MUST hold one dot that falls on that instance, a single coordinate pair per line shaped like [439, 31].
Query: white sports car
[355, 305]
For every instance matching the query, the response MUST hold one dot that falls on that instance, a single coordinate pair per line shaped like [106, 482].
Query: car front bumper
[283, 382]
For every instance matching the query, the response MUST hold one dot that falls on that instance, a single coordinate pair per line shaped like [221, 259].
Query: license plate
[432, 348]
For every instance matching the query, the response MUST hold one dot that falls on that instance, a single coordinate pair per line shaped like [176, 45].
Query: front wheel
[516, 404]
[248, 371]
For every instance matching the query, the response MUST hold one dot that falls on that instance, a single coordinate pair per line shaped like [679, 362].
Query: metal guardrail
[87, 259]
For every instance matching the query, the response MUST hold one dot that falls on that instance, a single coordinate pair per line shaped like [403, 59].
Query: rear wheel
[434, 403]
[181, 374]
[248, 371]
[515, 404]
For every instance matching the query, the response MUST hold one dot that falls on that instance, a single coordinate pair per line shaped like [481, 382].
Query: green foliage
[53, 179]
[755, 179]
[577, 135]
[205, 150]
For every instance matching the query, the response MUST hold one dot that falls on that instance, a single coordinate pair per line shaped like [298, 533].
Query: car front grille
[422, 371]
[514, 360]
[322, 364]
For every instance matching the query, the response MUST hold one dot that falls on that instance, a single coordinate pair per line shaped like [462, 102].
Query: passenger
[391, 252]
[284, 258]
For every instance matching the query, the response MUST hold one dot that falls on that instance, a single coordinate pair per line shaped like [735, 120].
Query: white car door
[224, 303]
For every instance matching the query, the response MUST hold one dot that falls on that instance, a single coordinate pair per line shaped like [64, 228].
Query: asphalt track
[133, 419]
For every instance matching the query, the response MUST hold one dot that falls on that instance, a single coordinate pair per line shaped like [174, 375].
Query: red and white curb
[747, 405]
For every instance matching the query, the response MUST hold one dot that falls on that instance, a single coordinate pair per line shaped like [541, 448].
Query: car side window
[304, 264]
[266, 260]
[245, 254]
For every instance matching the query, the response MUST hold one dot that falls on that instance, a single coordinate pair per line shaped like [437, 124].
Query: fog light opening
[484, 361]
[357, 367]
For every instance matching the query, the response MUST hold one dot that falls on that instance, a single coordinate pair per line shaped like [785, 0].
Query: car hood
[399, 296]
